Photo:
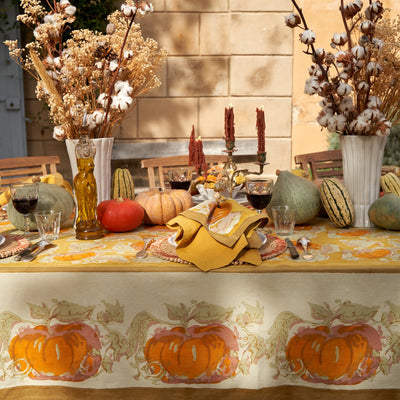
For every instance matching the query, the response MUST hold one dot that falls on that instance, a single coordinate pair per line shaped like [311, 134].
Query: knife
[25, 252]
[293, 251]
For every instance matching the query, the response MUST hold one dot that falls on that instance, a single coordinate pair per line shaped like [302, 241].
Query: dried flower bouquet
[92, 78]
[359, 84]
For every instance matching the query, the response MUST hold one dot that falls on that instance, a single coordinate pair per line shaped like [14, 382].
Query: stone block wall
[220, 53]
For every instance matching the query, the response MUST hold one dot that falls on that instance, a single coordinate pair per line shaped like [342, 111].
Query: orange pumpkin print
[341, 355]
[198, 354]
[62, 352]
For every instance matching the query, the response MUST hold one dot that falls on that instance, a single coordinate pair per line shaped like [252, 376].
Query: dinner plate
[171, 239]
[240, 198]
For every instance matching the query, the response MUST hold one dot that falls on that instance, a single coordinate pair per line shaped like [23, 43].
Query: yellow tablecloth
[88, 320]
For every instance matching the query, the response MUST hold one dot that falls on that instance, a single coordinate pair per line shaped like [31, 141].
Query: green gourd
[51, 197]
[296, 192]
[390, 183]
[122, 184]
[337, 202]
[385, 212]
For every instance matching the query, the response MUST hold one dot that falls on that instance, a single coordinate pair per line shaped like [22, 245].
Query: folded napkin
[211, 234]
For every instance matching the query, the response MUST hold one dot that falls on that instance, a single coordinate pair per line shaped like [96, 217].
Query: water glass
[48, 224]
[284, 220]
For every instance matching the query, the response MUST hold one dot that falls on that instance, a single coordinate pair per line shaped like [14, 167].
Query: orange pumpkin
[59, 352]
[198, 354]
[337, 355]
[161, 206]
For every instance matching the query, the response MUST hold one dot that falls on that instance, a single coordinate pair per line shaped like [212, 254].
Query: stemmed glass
[259, 194]
[24, 197]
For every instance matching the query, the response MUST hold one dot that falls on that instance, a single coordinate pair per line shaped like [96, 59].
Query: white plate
[171, 239]
[240, 198]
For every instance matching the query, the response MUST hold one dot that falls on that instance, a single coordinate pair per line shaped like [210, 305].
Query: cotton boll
[358, 52]
[346, 105]
[59, 133]
[312, 86]
[374, 102]
[292, 20]
[343, 89]
[339, 39]
[307, 37]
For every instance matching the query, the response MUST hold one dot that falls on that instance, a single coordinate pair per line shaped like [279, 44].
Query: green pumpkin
[296, 192]
[51, 197]
[385, 212]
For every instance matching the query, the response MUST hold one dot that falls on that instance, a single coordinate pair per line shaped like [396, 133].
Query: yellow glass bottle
[87, 225]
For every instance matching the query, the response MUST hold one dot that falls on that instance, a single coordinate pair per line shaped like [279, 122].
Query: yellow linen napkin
[212, 235]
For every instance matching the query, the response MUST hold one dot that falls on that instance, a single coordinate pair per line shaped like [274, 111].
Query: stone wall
[220, 53]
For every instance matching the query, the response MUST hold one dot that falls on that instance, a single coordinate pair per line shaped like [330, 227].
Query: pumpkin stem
[120, 200]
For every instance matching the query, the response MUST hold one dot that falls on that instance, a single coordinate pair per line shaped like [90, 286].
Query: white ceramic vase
[102, 164]
[362, 165]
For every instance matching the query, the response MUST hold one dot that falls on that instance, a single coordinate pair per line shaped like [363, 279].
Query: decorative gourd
[390, 183]
[161, 206]
[194, 355]
[385, 212]
[337, 355]
[51, 197]
[60, 352]
[120, 215]
[122, 184]
[337, 202]
[296, 192]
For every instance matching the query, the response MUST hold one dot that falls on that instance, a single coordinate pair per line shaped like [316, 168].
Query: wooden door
[12, 110]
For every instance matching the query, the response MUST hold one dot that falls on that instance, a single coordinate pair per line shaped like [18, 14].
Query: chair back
[323, 164]
[19, 169]
[157, 166]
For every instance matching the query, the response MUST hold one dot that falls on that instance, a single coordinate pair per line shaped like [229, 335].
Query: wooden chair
[322, 164]
[169, 162]
[18, 169]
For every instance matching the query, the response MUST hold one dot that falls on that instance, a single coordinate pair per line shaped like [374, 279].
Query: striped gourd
[390, 183]
[337, 202]
[122, 184]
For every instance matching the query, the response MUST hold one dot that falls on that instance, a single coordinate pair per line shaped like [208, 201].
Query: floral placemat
[163, 249]
[13, 245]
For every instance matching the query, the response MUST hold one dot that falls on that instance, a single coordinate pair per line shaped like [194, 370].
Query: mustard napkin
[211, 235]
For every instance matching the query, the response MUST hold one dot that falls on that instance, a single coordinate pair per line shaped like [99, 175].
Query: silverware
[23, 253]
[2, 239]
[143, 253]
[304, 242]
[42, 245]
[292, 250]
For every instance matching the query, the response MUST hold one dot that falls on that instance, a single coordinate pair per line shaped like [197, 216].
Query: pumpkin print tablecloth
[88, 320]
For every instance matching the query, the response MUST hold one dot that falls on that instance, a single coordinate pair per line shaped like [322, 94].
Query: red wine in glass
[25, 206]
[25, 199]
[259, 194]
[184, 185]
[259, 201]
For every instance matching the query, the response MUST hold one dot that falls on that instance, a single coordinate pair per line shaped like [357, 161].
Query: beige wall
[224, 52]
[324, 19]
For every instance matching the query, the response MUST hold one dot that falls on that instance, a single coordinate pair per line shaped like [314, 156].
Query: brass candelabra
[230, 170]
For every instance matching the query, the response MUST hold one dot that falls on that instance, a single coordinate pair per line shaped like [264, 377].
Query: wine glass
[259, 194]
[180, 178]
[24, 197]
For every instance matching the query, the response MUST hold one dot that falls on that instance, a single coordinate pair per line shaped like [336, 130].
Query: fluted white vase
[362, 165]
[102, 164]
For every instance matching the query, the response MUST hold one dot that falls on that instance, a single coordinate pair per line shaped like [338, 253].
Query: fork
[42, 245]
